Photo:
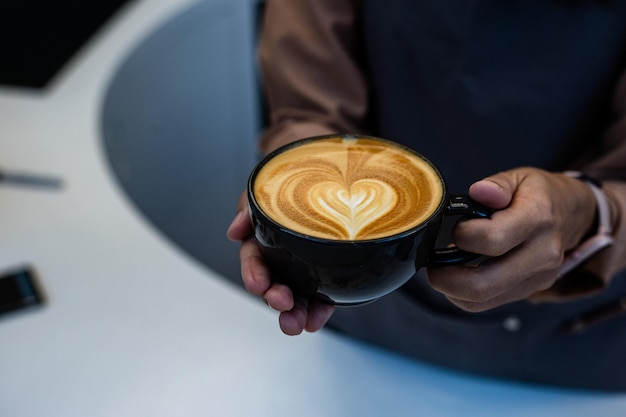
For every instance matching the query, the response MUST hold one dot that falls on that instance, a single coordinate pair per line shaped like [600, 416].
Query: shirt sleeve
[308, 54]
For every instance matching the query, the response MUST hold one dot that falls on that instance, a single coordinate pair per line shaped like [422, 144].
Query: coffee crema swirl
[348, 189]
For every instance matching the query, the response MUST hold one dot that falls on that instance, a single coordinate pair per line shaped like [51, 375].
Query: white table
[135, 327]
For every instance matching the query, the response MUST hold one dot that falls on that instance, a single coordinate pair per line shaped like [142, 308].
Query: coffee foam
[348, 189]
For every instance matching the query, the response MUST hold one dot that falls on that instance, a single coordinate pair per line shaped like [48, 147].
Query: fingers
[505, 230]
[524, 210]
[526, 238]
[241, 226]
[522, 291]
[279, 297]
[307, 314]
[493, 193]
[296, 314]
[257, 278]
[515, 276]
[254, 272]
[292, 322]
[318, 316]
[501, 233]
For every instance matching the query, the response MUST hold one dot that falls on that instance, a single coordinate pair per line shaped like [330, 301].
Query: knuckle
[552, 255]
[545, 215]
[555, 259]
[495, 243]
[544, 284]
[478, 292]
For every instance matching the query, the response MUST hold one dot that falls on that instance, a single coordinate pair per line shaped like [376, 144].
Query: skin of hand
[297, 314]
[540, 215]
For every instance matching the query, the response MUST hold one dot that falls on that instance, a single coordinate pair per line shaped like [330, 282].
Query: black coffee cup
[348, 272]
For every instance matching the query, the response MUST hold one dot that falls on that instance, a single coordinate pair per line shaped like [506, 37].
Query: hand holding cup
[348, 219]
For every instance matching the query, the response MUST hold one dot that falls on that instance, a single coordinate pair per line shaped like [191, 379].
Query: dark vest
[479, 87]
[482, 86]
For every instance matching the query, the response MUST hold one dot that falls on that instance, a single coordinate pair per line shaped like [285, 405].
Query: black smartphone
[19, 289]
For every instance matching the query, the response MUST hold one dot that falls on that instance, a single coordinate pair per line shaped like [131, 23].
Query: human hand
[296, 313]
[540, 217]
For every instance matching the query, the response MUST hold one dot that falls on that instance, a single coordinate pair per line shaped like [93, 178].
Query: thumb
[241, 226]
[495, 192]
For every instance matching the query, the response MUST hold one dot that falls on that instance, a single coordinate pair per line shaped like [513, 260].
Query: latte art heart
[353, 208]
[348, 189]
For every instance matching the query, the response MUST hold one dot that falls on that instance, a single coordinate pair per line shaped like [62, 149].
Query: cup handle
[464, 207]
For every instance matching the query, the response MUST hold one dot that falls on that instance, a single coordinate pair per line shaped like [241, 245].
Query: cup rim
[253, 202]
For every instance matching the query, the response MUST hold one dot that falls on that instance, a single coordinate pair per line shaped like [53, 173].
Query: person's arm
[314, 86]
[308, 55]
[544, 217]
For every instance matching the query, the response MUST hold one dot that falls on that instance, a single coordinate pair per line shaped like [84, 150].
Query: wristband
[601, 239]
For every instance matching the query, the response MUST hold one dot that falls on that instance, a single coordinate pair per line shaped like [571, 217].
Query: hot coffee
[347, 188]
[348, 219]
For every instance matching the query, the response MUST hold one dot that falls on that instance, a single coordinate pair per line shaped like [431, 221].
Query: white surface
[134, 327]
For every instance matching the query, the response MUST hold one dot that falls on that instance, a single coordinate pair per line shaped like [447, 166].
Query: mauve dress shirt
[477, 87]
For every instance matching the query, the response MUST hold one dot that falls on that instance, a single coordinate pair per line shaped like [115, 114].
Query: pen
[30, 180]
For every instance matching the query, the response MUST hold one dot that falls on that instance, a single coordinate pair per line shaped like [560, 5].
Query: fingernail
[491, 183]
